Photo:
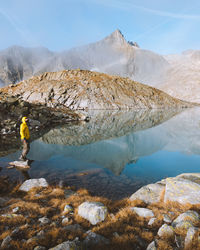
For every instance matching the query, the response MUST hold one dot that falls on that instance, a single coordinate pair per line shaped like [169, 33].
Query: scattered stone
[65, 221]
[28, 184]
[68, 209]
[44, 220]
[93, 211]
[15, 232]
[95, 239]
[10, 216]
[152, 246]
[6, 242]
[15, 210]
[190, 215]
[166, 218]
[39, 248]
[41, 233]
[166, 231]
[149, 194]
[151, 221]
[182, 190]
[33, 240]
[68, 245]
[143, 212]
[191, 233]
[116, 234]
[68, 193]
[179, 241]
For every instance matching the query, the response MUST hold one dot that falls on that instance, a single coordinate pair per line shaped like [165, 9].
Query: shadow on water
[101, 155]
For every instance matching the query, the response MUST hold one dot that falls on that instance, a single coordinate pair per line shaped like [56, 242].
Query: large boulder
[94, 212]
[32, 183]
[149, 194]
[182, 190]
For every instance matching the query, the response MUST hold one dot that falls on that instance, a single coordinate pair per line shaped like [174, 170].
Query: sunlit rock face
[182, 78]
[87, 90]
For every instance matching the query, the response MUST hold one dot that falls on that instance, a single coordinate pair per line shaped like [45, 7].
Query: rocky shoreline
[42, 119]
[163, 215]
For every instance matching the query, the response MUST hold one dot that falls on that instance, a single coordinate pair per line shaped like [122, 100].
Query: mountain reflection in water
[117, 152]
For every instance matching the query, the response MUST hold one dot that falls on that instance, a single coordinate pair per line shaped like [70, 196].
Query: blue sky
[164, 26]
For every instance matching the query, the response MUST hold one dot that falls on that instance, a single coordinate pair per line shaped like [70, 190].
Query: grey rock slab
[166, 231]
[94, 212]
[182, 190]
[149, 194]
[191, 233]
[68, 245]
[189, 215]
[44, 220]
[143, 212]
[95, 239]
[32, 183]
[152, 246]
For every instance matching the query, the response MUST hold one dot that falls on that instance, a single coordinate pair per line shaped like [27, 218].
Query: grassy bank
[124, 229]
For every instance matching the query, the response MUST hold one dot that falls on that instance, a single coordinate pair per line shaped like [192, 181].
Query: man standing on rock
[25, 136]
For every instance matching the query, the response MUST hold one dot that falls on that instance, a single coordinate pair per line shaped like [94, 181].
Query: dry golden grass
[50, 202]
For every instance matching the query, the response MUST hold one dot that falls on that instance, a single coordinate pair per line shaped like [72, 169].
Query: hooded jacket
[24, 131]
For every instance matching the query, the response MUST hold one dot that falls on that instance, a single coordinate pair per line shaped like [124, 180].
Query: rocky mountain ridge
[85, 90]
[177, 75]
[111, 55]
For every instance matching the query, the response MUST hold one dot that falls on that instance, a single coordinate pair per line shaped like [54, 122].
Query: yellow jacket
[24, 131]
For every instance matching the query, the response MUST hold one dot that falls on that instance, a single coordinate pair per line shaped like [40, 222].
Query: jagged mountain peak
[116, 37]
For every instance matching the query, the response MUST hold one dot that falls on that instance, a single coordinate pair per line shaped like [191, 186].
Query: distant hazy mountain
[178, 75]
[112, 55]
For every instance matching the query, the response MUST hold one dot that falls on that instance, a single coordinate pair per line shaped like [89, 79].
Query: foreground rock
[93, 211]
[184, 188]
[143, 212]
[33, 183]
[79, 89]
[149, 194]
[68, 245]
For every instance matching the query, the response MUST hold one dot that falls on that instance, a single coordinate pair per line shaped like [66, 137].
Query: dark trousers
[26, 148]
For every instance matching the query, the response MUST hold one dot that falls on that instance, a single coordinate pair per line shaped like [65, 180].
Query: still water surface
[116, 153]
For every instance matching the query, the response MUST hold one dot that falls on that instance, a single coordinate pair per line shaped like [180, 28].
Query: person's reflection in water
[24, 172]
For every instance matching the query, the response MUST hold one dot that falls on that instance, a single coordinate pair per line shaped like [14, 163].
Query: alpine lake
[116, 152]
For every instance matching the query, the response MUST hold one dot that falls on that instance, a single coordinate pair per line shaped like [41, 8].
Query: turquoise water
[116, 152]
